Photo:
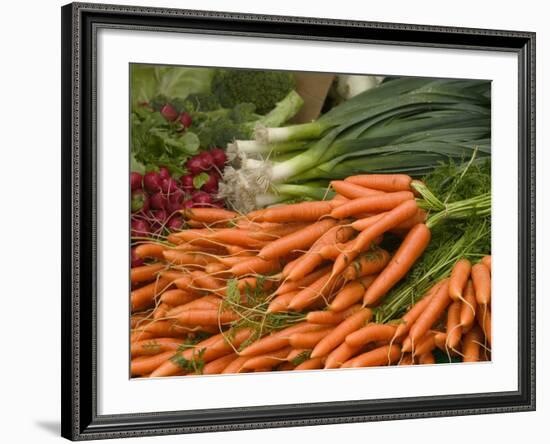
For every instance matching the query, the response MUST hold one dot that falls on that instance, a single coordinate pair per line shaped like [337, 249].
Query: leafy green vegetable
[150, 81]
[157, 142]
[199, 180]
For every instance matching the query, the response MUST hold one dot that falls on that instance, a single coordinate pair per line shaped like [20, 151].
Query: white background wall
[30, 219]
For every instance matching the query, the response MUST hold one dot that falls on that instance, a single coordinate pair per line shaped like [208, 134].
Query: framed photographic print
[277, 221]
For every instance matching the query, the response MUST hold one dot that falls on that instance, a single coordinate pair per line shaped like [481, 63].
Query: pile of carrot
[293, 287]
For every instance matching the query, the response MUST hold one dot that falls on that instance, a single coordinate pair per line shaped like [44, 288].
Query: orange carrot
[406, 359]
[208, 350]
[136, 336]
[371, 204]
[160, 311]
[440, 339]
[164, 328]
[454, 329]
[208, 215]
[176, 257]
[426, 358]
[143, 297]
[382, 182]
[236, 365]
[217, 365]
[309, 261]
[469, 306]
[385, 355]
[351, 293]
[424, 345]
[207, 302]
[300, 212]
[308, 340]
[154, 346]
[214, 268]
[146, 364]
[319, 290]
[432, 312]
[486, 260]
[458, 279]
[339, 197]
[483, 316]
[255, 265]
[363, 241]
[229, 261]
[471, 345]
[340, 355]
[331, 317]
[409, 251]
[414, 312]
[194, 248]
[198, 280]
[351, 190]
[481, 278]
[177, 297]
[150, 250]
[280, 303]
[289, 286]
[371, 333]
[235, 250]
[299, 240]
[310, 364]
[206, 317]
[276, 232]
[172, 275]
[267, 360]
[369, 262]
[277, 340]
[145, 273]
[361, 224]
[338, 335]
[419, 218]
[234, 236]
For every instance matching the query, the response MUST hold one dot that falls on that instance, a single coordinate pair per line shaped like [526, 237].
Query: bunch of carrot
[295, 286]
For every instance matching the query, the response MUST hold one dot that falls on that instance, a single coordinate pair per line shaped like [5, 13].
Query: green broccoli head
[264, 89]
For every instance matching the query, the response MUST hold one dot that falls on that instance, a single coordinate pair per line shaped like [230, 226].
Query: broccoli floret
[202, 102]
[264, 89]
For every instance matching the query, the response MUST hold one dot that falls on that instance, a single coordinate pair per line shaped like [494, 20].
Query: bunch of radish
[157, 197]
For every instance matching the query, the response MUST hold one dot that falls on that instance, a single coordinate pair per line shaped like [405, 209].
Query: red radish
[140, 228]
[219, 157]
[211, 185]
[136, 260]
[158, 220]
[151, 182]
[168, 185]
[169, 113]
[218, 204]
[194, 165]
[175, 201]
[202, 199]
[164, 173]
[140, 201]
[188, 204]
[187, 183]
[207, 162]
[158, 201]
[175, 223]
[135, 181]
[186, 120]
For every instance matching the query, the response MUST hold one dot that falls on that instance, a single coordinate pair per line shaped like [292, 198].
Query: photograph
[284, 221]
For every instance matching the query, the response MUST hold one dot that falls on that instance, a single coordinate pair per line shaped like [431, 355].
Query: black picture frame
[80, 420]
